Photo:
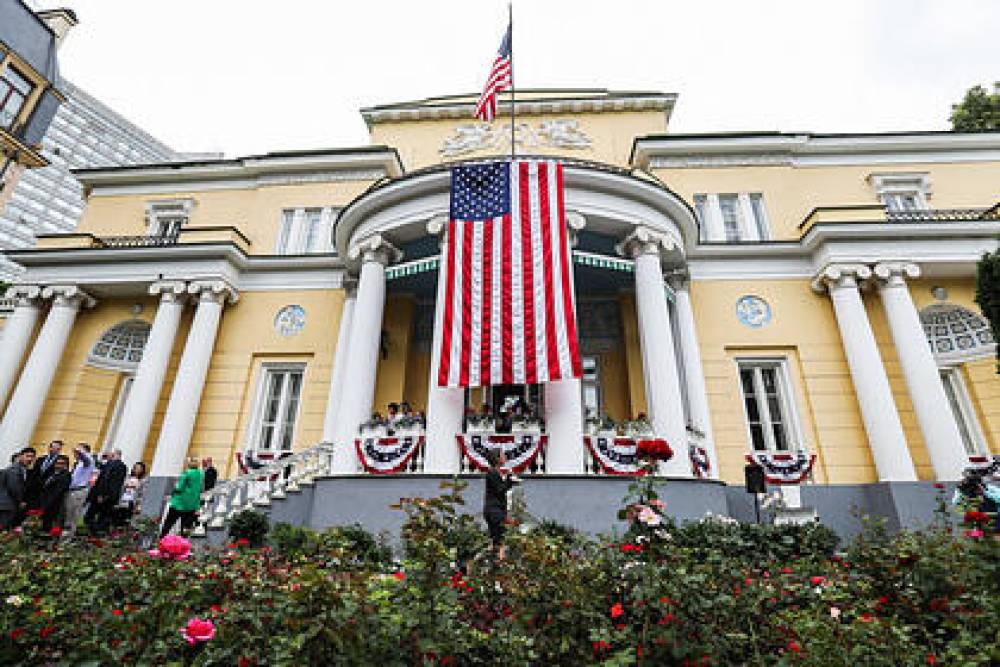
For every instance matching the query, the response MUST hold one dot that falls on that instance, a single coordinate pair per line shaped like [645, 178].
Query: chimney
[59, 21]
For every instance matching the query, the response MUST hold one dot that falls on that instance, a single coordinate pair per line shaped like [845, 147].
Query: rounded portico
[628, 234]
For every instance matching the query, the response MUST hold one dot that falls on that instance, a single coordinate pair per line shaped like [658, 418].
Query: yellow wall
[791, 192]
[803, 330]
[254, 211]
[397, 325]
[633, 358]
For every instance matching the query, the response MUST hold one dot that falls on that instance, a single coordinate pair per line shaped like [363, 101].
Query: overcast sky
[248, 76]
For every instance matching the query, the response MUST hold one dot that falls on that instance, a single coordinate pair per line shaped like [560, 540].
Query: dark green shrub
[249, 525]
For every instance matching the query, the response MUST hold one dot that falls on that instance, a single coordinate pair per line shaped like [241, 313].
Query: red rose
[794, 647]
[34, 513]
[817, 581]
[867, 618]
[116, 612]
[667, 618]
[56, 531]
[46, 631]
[617, 610]
[976, 517]
[243, 542]
[399, 575]
[931, 660]
[16, 634]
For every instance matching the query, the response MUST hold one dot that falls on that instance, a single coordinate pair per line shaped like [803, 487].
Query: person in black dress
[495, 500]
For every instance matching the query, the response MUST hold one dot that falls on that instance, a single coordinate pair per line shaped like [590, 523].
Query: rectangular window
[283, 246]
[14, 91]
[591, 386]
[701, 212]
[277, 408]
[729, 207]
[965, 414]
[759, 216]
[313, 232]
[767, 404]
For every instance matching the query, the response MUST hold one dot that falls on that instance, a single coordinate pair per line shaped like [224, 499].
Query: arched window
[956, 333]
[121, 346]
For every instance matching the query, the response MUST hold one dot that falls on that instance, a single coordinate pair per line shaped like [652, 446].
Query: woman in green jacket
[186, 499]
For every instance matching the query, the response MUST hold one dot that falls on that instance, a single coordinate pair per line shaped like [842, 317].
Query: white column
[137, 415]
[937, 422]
[362, 362]
[29, 397]
[564, 425]
[694, 374]
[339, 372]
[445, 405]
[663, 395]
[185, 397]
[878, 409]
[17, 335]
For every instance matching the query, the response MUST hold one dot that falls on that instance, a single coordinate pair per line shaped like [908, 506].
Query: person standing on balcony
[186, 499]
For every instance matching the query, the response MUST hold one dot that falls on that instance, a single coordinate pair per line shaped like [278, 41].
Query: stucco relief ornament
[472, 137]
[753, 311]
[290, 320]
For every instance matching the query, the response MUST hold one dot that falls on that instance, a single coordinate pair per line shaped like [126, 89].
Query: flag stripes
[509, 311]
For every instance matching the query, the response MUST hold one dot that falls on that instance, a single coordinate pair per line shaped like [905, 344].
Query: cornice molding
[463, 109]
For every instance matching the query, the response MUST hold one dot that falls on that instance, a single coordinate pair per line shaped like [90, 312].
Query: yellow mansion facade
[748, 292]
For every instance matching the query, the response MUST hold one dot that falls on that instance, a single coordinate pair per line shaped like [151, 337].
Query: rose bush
[712, 592]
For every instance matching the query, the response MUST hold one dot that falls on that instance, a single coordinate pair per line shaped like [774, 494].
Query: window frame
[592, 383]
[967, 419]
[787, 398]
[16, 118]
[255, 424]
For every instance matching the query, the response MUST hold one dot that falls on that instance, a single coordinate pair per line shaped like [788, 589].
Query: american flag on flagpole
[509, 311]
[498, 80]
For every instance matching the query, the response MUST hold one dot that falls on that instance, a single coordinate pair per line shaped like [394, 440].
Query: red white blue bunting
[985, 465]
[701, 464]
[615, 456]
[519, 450]
[382, 456]
[782, 467]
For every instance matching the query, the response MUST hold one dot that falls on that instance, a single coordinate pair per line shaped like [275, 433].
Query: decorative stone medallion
[753, 311]
[290, 320]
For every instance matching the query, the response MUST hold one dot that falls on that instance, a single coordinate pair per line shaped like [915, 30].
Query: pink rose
[197, 631]
[175, 547]
[975, 533]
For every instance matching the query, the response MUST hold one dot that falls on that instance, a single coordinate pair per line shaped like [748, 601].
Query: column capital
[24, 295]
[169, 290]
[645, 241]
[894, 274]
[375, 248]
[218, 291]
[840, 275]
[68, 295]
[679, 279]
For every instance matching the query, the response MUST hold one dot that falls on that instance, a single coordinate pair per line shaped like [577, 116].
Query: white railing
[258, 487]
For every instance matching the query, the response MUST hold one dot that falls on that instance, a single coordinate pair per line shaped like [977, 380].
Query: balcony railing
[186, 236]
[875, 213]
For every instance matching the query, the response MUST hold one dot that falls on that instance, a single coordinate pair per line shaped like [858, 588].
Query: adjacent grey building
[84, 133]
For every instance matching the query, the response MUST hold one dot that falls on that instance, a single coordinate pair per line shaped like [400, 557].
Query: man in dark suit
[211, 474]
[39, 473]
[54, 490]
[106, 493]
[12, 482]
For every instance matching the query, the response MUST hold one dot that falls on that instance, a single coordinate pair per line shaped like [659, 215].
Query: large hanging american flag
[509, 311]
[498, 80]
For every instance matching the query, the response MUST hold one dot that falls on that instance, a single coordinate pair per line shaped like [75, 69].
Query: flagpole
[510, 18]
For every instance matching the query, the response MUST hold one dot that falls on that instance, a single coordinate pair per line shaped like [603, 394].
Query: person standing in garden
[495, 499]
[106, 492]
[79, 487]
[55, 486]
[12, 485]
[186, 499]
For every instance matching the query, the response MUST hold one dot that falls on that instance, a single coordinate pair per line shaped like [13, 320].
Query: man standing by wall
[79, 486]
[12, 485]
[106, 493]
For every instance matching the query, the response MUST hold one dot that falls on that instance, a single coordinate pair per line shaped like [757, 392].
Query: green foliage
[988, 292]
[706, 593]
[249, 525]
[979, 111]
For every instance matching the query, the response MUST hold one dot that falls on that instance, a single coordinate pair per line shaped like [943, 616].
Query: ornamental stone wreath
[712, 592]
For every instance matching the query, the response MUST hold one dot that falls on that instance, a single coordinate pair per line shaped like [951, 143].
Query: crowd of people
[515, 410]
[397, 416]
[99, 489]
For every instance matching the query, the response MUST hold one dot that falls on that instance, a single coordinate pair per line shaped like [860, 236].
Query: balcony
[877, 213]
[223, 234]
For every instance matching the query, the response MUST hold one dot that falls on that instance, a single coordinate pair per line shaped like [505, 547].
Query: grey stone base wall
[588, 503]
